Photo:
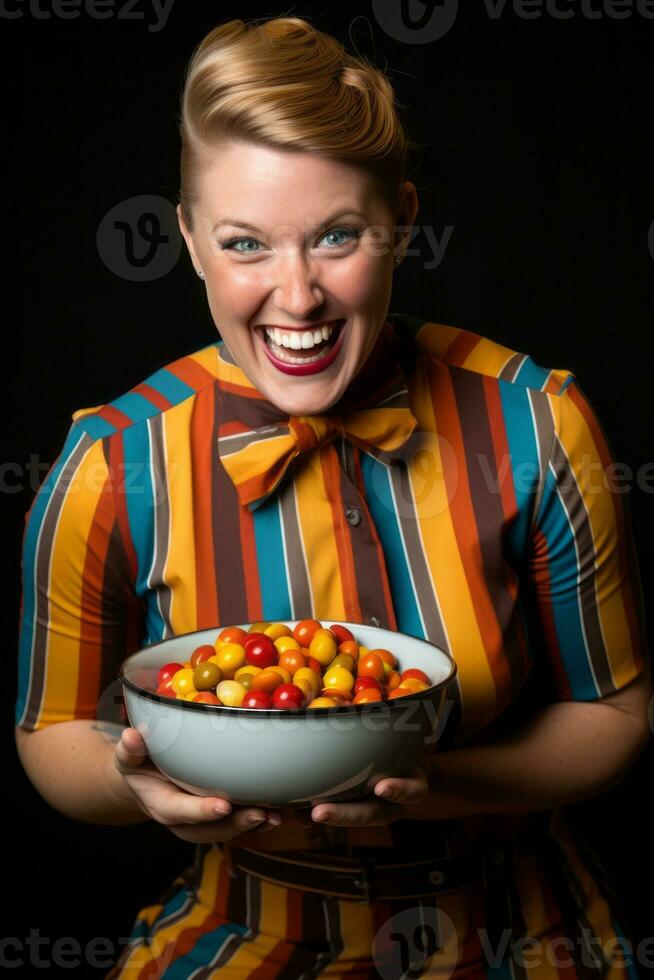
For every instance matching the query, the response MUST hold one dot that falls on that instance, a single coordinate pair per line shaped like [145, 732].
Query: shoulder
[168, 387]
[457, 348]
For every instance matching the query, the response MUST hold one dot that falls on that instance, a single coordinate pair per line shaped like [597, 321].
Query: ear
[187, 238]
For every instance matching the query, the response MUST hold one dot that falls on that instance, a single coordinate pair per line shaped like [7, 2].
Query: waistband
[367, 879]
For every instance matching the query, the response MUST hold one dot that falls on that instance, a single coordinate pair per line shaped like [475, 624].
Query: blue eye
[352, 233]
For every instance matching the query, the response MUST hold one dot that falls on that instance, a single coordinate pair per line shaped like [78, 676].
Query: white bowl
[276, 757]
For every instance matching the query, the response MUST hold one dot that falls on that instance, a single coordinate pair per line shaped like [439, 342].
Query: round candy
[417, 674]
[339, 678]
[166, 690]
[165, 673]
[307, 674]
[288, 696]
[414, 684]
[393, 680]
[247, 669]
[262, 653]
[257, 627]
[291, 660]
[308, 688]
[276, 630]
[370, 665]
[231, 693]
[257, 699]
[343, 660]
[229, 658]
[286, 643]
[206, 697]
[182, 682]
[202, 653]
[341, 633]
[267, 680]
[207, 675]
[351, 648]
[386, 656]
[322, 702]
[304, 630]
[323, 646]
[367, 695]
[232, 634]
[367, 683]
[283, 673]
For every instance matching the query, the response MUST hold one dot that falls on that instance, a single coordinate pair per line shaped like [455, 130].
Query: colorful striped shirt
[497, 536]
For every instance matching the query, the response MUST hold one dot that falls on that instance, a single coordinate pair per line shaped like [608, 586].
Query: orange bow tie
[257, 459]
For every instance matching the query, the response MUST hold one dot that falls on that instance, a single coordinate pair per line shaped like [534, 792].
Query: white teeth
[300, 340]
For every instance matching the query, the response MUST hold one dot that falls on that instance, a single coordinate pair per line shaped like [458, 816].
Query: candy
[273, 666]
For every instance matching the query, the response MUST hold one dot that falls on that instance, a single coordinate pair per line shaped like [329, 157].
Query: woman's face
[297, 244]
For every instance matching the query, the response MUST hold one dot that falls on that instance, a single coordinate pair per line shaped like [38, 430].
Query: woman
[462, 504]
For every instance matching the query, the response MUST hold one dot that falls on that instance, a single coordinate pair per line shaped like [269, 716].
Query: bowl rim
[393, 704]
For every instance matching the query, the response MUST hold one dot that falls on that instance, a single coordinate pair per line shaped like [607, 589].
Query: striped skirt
[552, 918]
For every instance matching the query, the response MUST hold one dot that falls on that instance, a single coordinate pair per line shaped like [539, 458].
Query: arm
[72, 766]
[568, 752]
[100, 773]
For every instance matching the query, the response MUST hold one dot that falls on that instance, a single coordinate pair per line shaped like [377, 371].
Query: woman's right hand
[197, 819]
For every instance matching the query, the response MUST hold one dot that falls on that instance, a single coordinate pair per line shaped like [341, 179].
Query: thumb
[131, 749]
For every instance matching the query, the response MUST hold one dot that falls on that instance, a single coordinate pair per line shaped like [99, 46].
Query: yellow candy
[282, 671]
[339, 678]
[182, 681]
[305, 686]
[323, 647]
[286, 643]
[275, 630]
[229, 658]
[307, 674]
[323, 702]
[247, 669]
[257, 627]
[231, 693]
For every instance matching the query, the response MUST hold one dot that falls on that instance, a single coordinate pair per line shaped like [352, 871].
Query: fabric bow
[258, 458]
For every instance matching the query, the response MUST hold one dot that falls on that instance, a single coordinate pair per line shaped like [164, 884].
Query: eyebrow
[242, 224]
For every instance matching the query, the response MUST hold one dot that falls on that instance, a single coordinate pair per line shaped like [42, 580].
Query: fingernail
[387, 792]
[252, 819]
[274, 820]
[221, 809]
[321, 816]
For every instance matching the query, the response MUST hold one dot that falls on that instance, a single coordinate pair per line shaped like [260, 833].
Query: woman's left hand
[380, 809]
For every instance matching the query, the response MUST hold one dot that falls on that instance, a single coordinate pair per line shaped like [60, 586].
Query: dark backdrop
[537, 174]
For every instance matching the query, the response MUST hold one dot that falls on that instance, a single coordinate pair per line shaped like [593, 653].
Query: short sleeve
[582, 567]
[79, 615]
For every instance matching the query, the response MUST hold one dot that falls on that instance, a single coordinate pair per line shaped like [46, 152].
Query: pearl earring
[397, 259]
[201, 273]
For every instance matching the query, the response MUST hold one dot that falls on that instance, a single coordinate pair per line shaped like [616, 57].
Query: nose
[298, 291]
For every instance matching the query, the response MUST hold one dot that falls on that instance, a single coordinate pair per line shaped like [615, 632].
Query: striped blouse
[497, 536]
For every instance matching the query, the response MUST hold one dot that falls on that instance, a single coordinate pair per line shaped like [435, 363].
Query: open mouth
[302, 346]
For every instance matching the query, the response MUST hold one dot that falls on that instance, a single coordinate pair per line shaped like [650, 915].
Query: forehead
[246, 176]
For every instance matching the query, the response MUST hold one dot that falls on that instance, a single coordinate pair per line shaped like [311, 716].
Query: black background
[538, 152]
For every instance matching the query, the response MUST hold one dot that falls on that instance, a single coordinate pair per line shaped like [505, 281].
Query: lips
[297, 362]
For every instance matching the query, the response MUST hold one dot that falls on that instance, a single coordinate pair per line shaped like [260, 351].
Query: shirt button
[353, 516]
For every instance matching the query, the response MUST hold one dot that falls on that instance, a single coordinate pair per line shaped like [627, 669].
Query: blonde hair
[283, 83]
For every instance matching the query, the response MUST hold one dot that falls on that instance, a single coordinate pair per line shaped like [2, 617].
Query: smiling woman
[327, 459]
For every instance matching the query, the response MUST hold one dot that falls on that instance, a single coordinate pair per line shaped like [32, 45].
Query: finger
[238, 822]
[131, 750]
[368, 814]
[410, 788]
